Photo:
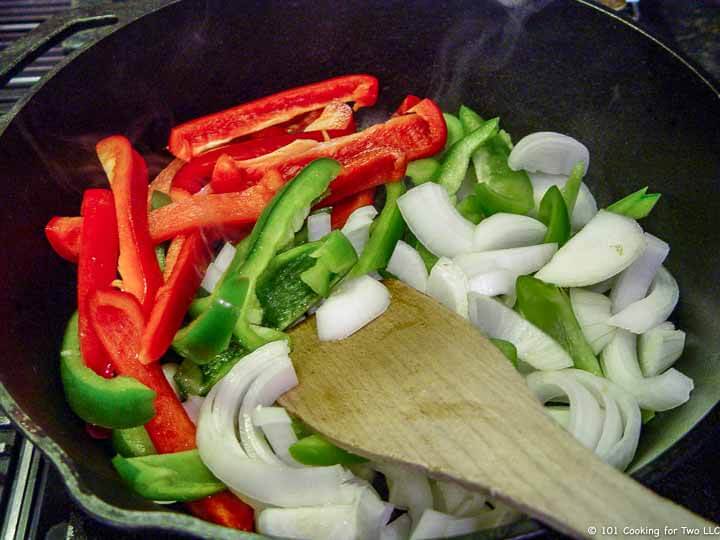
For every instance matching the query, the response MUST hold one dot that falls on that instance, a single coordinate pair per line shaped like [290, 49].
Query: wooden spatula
[420, 386]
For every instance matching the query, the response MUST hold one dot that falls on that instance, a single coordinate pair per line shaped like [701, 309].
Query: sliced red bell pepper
[118, 319]
[164, 180]
[174, 298]
[97, 268]
[336, 115]
[127, 173]
[342, 209]
[196, 136]
[64, 236]
[228, 210]
[408, 103]
[195, 174]
[419, 133]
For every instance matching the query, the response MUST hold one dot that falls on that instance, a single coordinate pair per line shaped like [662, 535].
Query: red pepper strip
[231, 210]
[194, 175]
[97, 268]
[291, 126]
[420, 133]
[174, 297]
[126, 170]
[118, 320]
[163, 181]
[408, 103]
[336, 115]
[342, 209]
[64, 236]
[196, 136]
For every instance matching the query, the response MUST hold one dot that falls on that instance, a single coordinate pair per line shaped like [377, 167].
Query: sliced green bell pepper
[455, 130]
[548, 307]
[133, 442]
[195, 379]
[385, 232]
[469, 119]
[508, 349]
[318, 451]
[455, 164]
[332, 260]
[181, 476]
[235, 307]
[572, 187]
[120, 402]
[471, 209]
[422, 170]
[554, 214]
[637, 205]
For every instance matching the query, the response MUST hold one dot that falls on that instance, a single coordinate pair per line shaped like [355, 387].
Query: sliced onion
[357, 227]
[586, 417]
[211, 278]
[585, 205]
[278, 378]
[331, 522]
[277, 427]
[318, 226]
[407, 265]
[350, 307]
[592, 311]
[604, 247]
[659, 393]
[448, 496]
[474, 505]
[493, 283]
[602, 287]
[266, 484]
[192, 406]
[656, 307]
[434, 524]
[633, 283]
[502, 231]
[548, 152]
[408, 489]
[448, 285]
[559, 413]
[435, 221]
[533, 345]
[224, 257]
[520, 260]
[399, 529]
[659, 348]
[169, 369]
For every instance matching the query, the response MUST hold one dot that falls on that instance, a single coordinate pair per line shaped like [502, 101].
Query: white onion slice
[493, 283]
[586, 417]
[448, 285]
[592, 311]
[533, 345]
[407, 265]
[434, 524]
[224, 257]
[435, 221]
[360, 217]
[267, 484]
[448, 496]
[471, 506]
[192, 406]
[559, 413]
[604, 247]
[502, 231]
[548, 152]
[520, 260]
[659, 348]
[332, 522]
[277, 427]
[633, 283]
[585, 205]
[211, 278]
[656, 307]
[351, 306]
[399, 529]
[169, 369]
[318, 226]
[659, 393]
[408, 489]
[602, 287]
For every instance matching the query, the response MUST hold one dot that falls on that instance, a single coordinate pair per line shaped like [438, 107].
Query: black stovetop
[35, 503]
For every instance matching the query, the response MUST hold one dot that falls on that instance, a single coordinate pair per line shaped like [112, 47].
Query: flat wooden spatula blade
[421, 386]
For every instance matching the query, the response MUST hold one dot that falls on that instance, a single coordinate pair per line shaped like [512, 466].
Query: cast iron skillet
[647, 116]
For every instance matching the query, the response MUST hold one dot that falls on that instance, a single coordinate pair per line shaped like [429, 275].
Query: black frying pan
[647, 116]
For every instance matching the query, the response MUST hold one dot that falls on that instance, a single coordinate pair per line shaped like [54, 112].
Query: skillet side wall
[646, 118]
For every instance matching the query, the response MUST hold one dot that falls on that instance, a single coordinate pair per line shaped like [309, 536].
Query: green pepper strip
[133, 442]
[195, 379]
[181, 476]
[235, 307]
[422, 170]
[120, 402]
[385, 232]
[501, 189]
[508, 349]
[469, 119]
[455, 130]
[572, 187]
[455, 164]
[471, 209]
[553, 213]
[316, 450]
[637, 205]
[158, 199]
[333, 259]
[548, 307]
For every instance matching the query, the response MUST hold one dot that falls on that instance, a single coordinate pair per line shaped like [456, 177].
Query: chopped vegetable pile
[280, 209]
